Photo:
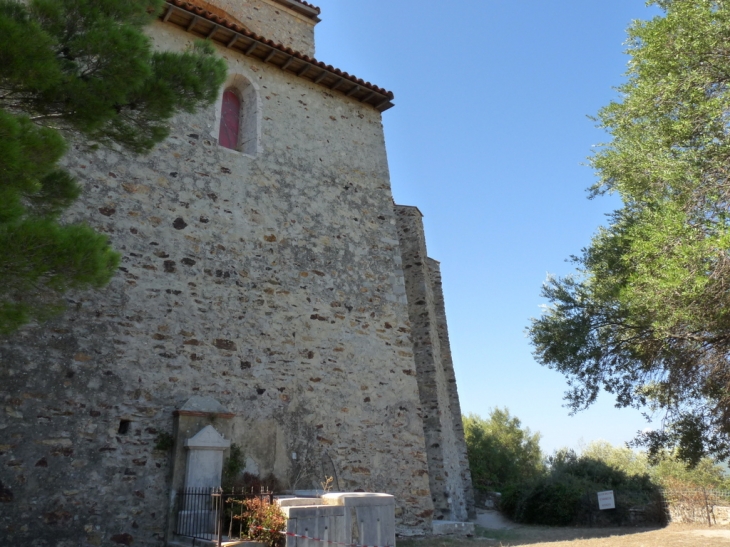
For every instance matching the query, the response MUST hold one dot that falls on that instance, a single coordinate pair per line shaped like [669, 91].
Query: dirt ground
[674, 535]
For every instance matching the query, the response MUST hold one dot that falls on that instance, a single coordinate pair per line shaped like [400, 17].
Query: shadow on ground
[539, 536]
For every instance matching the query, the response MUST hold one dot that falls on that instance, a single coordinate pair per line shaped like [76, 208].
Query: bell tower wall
[287, 22]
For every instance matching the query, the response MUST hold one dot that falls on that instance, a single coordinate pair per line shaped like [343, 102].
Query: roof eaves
[304, 8]
[205, 24]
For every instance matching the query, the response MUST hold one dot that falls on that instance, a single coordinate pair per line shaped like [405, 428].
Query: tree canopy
[85, 70]
[501, 451]
[664, 470]
[647, 315]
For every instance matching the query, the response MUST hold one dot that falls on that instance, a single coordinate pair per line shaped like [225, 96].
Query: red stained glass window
[230, 120]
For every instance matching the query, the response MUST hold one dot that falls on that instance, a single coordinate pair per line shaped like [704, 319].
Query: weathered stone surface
[272, 20]
[122, 539]
[450, 377]
[6, 495]
[271, 281]
[200, 403]
[450, 481]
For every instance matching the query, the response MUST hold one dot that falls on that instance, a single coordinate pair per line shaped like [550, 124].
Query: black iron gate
[212, 514]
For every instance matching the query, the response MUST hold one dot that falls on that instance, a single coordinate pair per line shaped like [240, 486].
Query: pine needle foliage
[84, 70]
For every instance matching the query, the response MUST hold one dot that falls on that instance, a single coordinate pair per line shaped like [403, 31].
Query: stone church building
[268, 276]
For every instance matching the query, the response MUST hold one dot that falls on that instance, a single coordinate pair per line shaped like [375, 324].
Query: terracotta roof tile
[305, 62]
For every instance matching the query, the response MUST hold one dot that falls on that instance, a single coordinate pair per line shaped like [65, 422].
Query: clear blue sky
[488, 138]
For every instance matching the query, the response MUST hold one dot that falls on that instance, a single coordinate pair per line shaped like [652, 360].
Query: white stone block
[205, 458]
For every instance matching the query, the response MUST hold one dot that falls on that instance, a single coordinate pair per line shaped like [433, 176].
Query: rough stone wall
[434, 268]
[270, 282]
[271, 20]
[449, 496]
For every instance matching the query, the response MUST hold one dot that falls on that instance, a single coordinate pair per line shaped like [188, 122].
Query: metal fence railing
[233, 522]
[212, 514]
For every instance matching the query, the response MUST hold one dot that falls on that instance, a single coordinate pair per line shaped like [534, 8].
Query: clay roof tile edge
[198, 11]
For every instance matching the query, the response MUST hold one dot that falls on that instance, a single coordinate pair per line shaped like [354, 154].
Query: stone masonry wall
[444, 459]
[270, 282]
[443, 333]
[271, 20]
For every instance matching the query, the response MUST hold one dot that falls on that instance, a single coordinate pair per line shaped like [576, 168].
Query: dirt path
[493, 520]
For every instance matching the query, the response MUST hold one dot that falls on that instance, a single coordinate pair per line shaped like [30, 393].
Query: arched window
[230, 120]
[237, 118]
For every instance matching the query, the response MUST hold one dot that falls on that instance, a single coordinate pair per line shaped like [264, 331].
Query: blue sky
[489, 138]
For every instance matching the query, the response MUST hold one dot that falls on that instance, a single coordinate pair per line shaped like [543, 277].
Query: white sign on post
[606, 500]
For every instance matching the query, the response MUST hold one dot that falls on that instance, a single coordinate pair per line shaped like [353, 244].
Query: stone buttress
[449, 476]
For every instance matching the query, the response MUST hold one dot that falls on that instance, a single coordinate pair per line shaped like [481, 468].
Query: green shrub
[553, 502]
[567, 493]
[164, 442]
[233, 465]
[501, 452]
[547, 500]
[263, 521]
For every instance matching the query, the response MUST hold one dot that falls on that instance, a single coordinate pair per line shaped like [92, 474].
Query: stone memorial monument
[205, 459]
[203, 470]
